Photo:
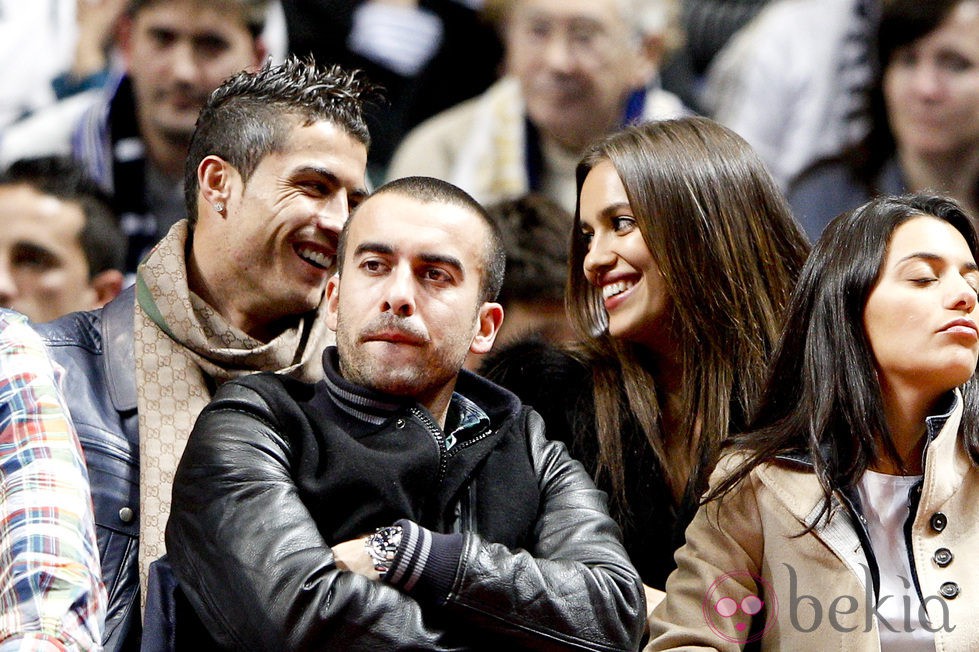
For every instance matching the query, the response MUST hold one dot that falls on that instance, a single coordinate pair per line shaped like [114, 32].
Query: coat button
[400, 423]
[943, 557]
[949, 590]
[938, 521]
[126, 515]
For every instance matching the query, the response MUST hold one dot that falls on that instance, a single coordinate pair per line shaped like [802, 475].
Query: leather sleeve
[576, 589]
[257, 571]
[252, 562]
[96, 351]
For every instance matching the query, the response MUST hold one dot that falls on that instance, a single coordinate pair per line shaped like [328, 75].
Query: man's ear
[332, 300]
[124, 37]
[107, 285]
[488, 325]
[214, 177]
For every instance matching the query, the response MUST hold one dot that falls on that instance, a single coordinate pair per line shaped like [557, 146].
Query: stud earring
[219, 207]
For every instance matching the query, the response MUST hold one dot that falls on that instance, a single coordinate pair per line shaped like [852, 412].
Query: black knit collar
[357, 401]
[464, 419]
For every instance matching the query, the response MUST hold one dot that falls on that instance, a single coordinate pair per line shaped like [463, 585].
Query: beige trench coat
[816, 590]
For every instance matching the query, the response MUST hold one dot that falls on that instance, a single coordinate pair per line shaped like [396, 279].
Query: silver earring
[219, 207]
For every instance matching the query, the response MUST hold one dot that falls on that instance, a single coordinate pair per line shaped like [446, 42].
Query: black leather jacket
[274, 472]
[96, 350]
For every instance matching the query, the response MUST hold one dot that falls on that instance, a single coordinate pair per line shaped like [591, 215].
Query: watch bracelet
[383, 545]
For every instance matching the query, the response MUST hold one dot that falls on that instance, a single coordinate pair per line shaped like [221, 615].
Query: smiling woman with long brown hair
[683, 256]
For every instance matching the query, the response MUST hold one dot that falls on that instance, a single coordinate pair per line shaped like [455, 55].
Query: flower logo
[726, 606]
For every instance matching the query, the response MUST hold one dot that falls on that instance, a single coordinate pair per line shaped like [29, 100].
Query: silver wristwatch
[382, 546]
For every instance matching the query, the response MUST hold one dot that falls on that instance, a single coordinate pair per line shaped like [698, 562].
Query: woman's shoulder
[823, 191]
[786, 479]
[780, 470]
[553, 380]
[533, 362]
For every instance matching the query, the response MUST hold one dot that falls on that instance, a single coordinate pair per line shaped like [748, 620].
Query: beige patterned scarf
[184, 350]
[491, 161]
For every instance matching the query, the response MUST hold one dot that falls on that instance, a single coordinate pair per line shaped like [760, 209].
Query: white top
[37, 41]
[778, 83]
[885, 508]
[400, 38]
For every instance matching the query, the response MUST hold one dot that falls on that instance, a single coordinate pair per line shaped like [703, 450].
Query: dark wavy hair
[729, 252]
[252, 113]
[101, 239]
[535, 235]
[822, 399]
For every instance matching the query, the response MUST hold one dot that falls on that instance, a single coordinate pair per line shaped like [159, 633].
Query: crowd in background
[685, 152]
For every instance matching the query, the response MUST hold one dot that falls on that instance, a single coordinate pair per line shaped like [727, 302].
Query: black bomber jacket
[515, 546]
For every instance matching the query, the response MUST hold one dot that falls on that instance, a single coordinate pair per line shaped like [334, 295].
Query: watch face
[382, 546]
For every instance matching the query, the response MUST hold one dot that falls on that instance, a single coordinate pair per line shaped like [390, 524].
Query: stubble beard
[420, 381]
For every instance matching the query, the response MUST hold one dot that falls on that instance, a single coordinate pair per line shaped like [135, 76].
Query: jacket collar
[934, 426]
[477, 404]
[797, 488]
[793, 483]
[358, 402]
[946, 460]
[118, 328]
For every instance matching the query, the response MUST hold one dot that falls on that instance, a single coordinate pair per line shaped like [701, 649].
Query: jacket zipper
[439, 438]
[856, 518]
[862, 531]
[466, 509]
[469, 442]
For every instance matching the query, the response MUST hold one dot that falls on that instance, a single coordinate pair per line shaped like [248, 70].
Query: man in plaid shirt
[51, 593]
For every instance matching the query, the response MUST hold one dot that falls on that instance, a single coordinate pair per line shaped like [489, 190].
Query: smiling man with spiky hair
[276, 163]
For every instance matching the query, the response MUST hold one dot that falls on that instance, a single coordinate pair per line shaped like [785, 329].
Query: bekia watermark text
[726, 606]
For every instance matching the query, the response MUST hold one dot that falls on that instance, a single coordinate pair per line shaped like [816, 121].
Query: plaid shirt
[51, 593]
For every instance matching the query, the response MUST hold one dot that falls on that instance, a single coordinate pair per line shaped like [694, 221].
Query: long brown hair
[729, 252]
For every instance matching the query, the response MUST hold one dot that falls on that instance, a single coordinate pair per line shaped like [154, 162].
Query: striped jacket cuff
[426, 563]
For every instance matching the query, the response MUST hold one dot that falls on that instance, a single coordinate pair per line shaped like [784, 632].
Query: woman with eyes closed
[846, 514]
[683, 255]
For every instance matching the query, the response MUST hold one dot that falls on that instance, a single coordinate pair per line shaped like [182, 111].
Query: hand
[352, 557]
[96, 20]
[653, 598]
